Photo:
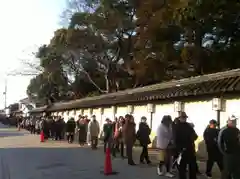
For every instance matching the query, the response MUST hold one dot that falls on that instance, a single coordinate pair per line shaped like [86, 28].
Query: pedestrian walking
[58, 129]
[118, 138]
[229, 145]
[164, 138]
[129, 136]
[185, 136]
[94, 131]
[82, 130]
[108, 134]
[70, 129]
[143, 136]
[210, 136]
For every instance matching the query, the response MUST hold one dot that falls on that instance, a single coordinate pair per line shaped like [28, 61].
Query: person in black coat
[70, 129]
[58, 129]
[45, 128]
[210, 136]
[143, 136]
[229, 146]
[185, 136]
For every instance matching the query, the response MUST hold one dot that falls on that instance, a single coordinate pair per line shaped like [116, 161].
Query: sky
[25, 25]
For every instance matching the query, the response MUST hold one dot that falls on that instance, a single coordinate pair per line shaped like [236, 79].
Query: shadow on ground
[67, 162]
[11, 134]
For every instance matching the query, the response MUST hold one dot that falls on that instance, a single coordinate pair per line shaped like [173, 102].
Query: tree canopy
[111, 45]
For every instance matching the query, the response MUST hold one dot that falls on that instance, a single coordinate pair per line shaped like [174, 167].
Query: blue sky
[25, 25]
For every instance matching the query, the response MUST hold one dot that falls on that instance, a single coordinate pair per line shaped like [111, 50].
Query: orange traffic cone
[108, 163]
[41, 136]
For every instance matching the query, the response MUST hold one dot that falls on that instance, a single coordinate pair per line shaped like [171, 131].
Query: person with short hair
[210, 136]
[108, 132]
[143, 136]
[129, 136]
[94, 130]
[70, 130]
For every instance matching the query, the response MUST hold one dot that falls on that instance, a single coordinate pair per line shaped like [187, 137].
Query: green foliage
[111, 45]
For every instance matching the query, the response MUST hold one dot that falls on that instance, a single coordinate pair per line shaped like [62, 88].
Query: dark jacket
[210, 136]
[143, 134]
[129, 133]
[70, 126]
[229, 140]
[107, 130]
[185, 137]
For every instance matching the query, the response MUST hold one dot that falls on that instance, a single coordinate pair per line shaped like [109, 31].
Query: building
[213, 96]
[25, 105]
[20, 108]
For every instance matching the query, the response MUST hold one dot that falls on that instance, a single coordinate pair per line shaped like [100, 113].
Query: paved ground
[22, 156]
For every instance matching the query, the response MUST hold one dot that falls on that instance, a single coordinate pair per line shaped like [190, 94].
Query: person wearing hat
[229, 145]
[185, 136]
[210, 136]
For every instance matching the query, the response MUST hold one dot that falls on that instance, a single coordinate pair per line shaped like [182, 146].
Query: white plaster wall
[86, 112]
[65, 116]
[232, 108]
[121, 111]
[71, 114]
[78, 112]
[108, 113]
[200, 113]
[138, 112]
[96, 112]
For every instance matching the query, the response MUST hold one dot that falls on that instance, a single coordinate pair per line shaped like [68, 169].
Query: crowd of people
[175, 141]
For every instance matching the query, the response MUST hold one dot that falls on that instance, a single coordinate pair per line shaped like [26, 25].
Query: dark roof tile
[221, 82]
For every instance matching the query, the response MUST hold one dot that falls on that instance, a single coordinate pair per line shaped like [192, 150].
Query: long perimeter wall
[214, 96]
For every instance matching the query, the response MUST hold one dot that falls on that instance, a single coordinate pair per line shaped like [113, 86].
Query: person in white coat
[164, 140]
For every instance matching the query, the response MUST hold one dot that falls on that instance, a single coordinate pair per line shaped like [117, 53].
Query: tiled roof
[212, 84]
[39, 109]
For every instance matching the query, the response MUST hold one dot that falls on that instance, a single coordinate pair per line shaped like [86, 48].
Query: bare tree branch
[22, 74]
[78, 68]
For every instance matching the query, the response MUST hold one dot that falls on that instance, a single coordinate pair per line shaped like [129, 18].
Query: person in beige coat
[94, 131]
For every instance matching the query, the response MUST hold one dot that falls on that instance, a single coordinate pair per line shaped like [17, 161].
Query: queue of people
[175, 141]
[176, 144]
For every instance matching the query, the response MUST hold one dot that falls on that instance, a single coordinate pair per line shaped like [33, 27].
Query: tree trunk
[112, 85]
[107, 81]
